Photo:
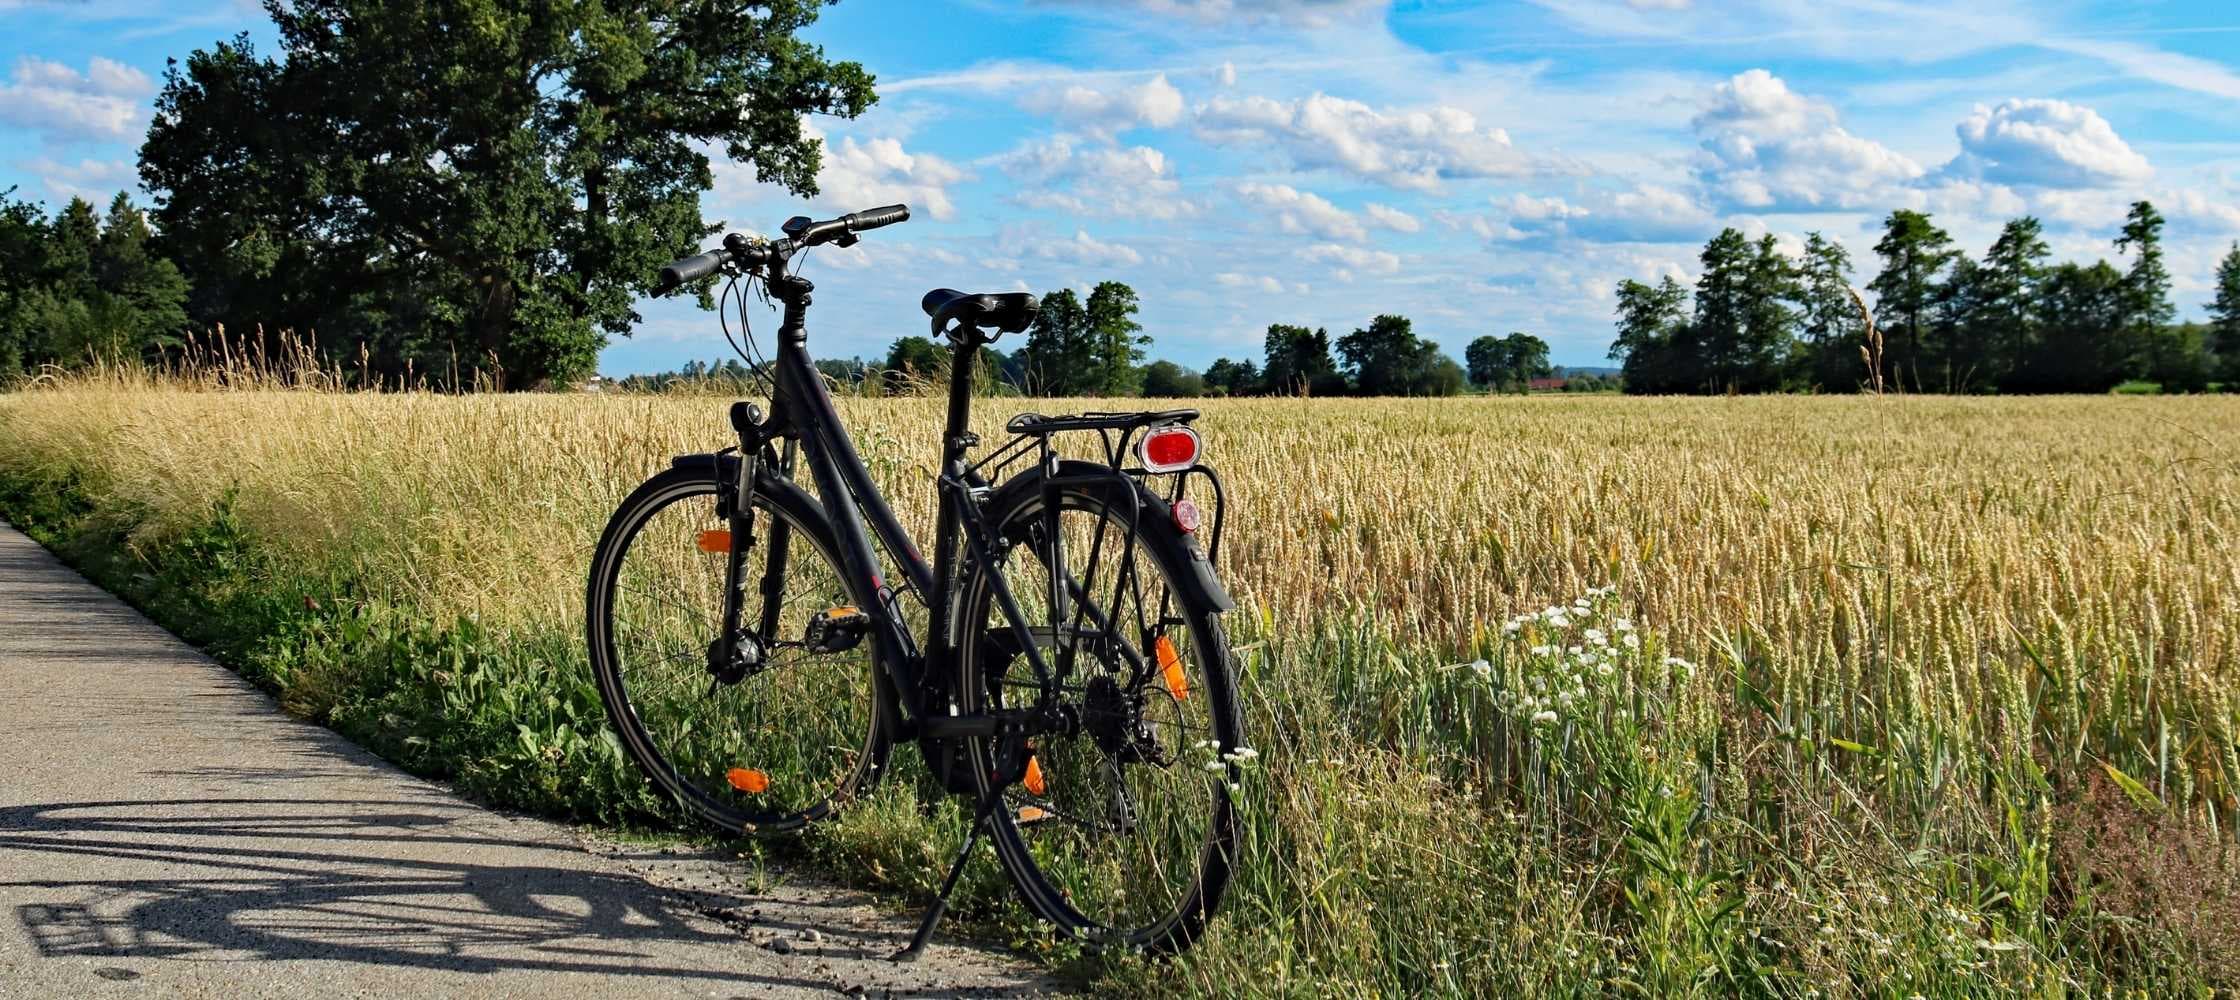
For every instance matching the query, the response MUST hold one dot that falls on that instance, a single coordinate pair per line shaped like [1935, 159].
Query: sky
[1479, 168]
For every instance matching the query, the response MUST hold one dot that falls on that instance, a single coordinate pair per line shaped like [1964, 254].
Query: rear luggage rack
[1031, 433]
[1036, 423]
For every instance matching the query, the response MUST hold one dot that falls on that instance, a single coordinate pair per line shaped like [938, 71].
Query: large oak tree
[480, 186]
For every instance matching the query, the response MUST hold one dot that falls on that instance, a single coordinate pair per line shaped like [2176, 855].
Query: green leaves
[466, 186]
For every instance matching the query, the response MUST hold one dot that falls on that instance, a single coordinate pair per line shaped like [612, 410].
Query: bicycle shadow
[400, 883]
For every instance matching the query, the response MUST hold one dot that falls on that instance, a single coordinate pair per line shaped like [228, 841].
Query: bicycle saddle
[1009, 312]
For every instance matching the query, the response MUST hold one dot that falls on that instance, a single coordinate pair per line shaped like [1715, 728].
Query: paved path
[166, 830]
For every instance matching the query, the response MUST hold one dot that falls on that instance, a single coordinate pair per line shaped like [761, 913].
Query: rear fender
[1157, 522]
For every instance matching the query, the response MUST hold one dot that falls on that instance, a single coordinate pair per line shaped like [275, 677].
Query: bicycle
[1092, 720]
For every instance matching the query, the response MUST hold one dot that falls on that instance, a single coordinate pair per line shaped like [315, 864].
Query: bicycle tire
[1008, 514]
[696, 791]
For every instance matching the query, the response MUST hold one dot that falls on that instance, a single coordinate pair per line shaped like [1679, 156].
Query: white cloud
[1132, 181]
[96, 181]
[880, 172]
[1401, 148]
[2044, 143]
[1391, 218]
[1231, 279]
[1299, 211]
[856, 174]
[1081, 249]
[2192, 211]
[1658, 4]
[107, 101]
[1106, 113]
[1350, 259]
[1768, 147]
[2170, 69]
[1644, 213]
[1301, 12]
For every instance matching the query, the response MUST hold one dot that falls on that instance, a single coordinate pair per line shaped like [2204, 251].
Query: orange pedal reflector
[1170, 665]
[715, 540]
[1032, 814]
[1033, 780]
[746, 780]
[843, 611]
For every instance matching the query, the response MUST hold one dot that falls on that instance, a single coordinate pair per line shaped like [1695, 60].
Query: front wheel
[1121, 829]
[788, 728]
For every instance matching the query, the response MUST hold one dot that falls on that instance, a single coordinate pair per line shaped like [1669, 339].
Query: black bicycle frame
[802, 407]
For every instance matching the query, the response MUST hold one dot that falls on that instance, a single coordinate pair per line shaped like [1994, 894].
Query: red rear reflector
[715, 540]
[748, 780]
[1169, 449]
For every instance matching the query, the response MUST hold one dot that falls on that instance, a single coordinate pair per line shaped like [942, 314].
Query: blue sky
[1480, 168]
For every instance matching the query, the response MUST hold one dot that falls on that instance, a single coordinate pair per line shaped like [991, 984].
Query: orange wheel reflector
[1032, 814]
[1033, 780]
[1170, 665]
[747, 780]
[715, 540]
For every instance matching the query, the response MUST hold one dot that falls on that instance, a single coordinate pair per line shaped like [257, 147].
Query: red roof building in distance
[1547, 384]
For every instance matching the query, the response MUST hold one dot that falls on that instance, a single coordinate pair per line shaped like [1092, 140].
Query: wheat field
[1788, 695]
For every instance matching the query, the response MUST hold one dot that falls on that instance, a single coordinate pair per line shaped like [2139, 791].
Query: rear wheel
[1123, 830]
[788, 729]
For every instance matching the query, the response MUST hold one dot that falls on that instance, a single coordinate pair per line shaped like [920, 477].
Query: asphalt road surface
[166, 830]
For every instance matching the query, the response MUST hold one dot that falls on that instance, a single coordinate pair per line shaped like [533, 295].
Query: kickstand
[940, 905]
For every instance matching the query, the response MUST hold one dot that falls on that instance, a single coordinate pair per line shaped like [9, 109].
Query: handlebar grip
[699, 265]
[873, 218]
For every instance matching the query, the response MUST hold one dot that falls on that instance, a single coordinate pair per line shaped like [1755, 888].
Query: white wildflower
[1542, 650]
[1633, 642]
[1544, 718]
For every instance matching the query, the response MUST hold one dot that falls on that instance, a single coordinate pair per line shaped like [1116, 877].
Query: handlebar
[800, 235]
[699, 265]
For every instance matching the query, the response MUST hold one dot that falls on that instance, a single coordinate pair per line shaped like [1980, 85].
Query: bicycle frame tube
[845, 485]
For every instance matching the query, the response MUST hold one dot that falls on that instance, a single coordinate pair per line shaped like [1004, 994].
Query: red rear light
[1168, 449]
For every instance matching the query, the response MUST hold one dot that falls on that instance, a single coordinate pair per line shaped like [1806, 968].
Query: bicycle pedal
[837, 629]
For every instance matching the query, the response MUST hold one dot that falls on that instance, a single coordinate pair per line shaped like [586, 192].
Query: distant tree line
[1385, 358]
[82, 285]
[1095, 347]
[1759, 321]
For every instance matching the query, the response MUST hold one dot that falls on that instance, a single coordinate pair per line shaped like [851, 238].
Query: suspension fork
[774, 560]
[736, 504]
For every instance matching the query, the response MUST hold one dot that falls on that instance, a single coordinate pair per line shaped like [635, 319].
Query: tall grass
[1914, 695]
